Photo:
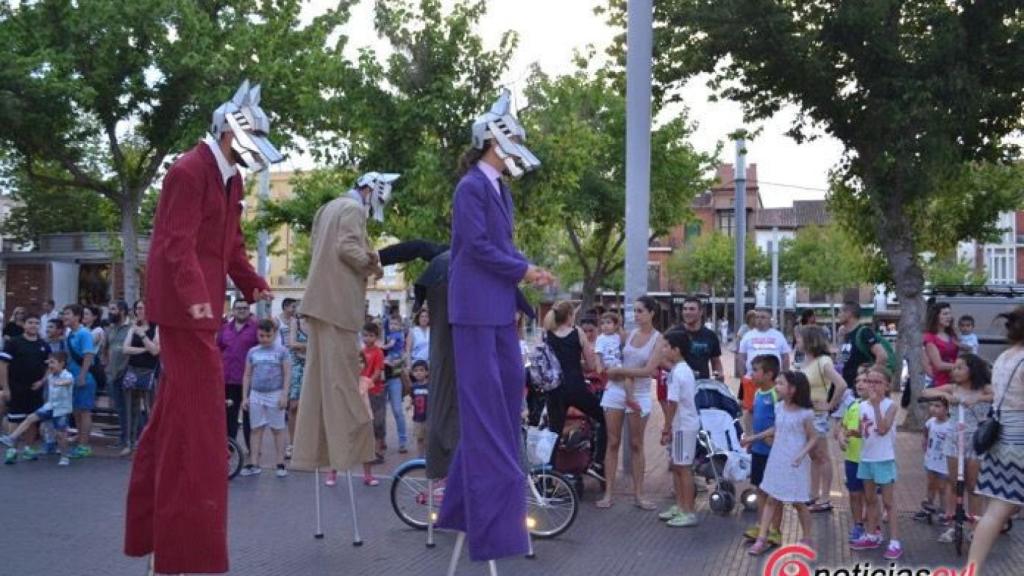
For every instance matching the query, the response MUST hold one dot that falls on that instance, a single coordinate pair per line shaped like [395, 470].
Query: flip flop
[645, 505]
[821, 507]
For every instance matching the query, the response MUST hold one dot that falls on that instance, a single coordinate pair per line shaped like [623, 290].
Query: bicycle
[552, 503]
[236, 456]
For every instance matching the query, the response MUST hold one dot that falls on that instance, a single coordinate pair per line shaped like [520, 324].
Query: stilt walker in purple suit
[485, 493]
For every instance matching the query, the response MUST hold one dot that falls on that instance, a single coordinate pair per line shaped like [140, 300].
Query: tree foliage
[708, 262]
[824, 259]
[102, 91]
[914, 90]
[577, 124]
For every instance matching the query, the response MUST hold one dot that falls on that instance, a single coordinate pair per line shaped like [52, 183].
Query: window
[726, 222]
[653, 277]
[1001, 264]
[692, 231]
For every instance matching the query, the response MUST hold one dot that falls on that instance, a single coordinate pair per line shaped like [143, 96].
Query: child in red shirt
[373, 370]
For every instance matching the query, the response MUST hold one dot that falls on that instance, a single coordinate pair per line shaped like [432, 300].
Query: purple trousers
[485, 495]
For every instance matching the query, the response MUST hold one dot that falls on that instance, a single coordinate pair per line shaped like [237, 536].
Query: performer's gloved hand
[538, 276]
[200, 311]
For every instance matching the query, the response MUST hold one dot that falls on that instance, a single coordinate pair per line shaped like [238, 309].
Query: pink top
[947, 352]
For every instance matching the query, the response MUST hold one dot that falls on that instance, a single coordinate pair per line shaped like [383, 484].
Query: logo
[795, 559]
[778, 565]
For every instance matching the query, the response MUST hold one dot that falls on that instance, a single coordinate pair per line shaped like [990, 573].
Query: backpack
[891, 363]
[545, 369]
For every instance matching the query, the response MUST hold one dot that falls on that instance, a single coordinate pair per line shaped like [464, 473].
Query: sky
[551, 30]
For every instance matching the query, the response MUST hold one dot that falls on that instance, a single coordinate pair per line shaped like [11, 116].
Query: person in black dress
[572, 348]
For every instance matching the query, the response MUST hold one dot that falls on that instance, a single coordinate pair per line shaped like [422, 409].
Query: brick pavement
[70, 521]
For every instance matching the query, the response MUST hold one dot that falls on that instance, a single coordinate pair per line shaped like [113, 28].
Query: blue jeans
[394, 392]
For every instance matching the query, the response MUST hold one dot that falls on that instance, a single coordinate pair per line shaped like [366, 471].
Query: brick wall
[27, 286]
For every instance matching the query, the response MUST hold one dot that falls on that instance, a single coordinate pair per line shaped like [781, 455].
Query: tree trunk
[897, 242]
[130, 247]
[589, 294]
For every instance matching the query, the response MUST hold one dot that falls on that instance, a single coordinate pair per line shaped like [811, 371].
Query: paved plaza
[69, 522]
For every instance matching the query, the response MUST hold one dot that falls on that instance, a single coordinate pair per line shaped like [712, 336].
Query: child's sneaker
[28, 454]
[10, 456]
[866, 542]
[774, 537]
[370, 481]
[81, 451]
[332, 478]
[855, 533]
[250, 470]
[752, 532]
[671, 513]
[281, 471]
[64, 461]
[683, 520]
[7, 441]
[894, 551]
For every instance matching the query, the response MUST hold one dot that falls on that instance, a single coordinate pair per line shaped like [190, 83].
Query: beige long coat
[333, 427]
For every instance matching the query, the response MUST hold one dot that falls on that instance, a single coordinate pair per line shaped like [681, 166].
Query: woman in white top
[417, 345]
[641, 355]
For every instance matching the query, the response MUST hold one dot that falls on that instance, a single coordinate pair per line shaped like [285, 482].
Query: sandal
[645, 505]
[825, 506]
[604, 503]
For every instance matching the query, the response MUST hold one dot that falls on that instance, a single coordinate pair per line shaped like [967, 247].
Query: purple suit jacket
[485, 267]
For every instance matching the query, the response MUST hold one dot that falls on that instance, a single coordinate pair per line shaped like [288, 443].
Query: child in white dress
[787, 475]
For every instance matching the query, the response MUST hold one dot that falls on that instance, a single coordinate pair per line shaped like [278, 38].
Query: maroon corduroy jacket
[196, 242]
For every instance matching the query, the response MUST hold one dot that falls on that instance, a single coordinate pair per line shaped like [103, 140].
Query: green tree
[915, 90]
[576, 124]
[410, 112]
[708, 263]
[952, 271]
[102, 91]
[41, 208]
[824, 259]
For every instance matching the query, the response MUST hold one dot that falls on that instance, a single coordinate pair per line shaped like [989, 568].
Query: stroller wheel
[726, 486]
[748, 498]
[721, 502]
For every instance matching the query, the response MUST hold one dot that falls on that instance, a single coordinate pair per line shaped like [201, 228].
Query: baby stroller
[719, 455]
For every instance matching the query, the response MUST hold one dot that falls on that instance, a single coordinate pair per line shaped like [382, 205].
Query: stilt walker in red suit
[177, 497]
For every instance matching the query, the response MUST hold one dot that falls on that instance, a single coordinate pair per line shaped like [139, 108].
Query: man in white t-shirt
[763, 340]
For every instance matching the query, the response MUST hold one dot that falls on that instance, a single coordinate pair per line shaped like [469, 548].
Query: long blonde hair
[560, 313]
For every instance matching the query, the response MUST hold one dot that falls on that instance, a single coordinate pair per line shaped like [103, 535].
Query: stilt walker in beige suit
[333, 427]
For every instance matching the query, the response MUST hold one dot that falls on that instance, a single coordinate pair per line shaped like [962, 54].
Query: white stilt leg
[456, 553]
[430, 513]
[319, 534]
[492, 567]
[357, 540]
[529, 551]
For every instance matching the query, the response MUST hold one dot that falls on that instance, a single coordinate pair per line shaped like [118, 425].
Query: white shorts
[822, 423]
[263, 410]
[684, 447]
[614, 398]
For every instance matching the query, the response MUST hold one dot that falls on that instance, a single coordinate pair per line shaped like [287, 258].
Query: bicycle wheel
[409, 493]
[235, 458]
[551, 504]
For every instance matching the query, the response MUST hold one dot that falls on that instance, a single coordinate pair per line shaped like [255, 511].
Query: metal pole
[262, 263]
[775, 277]
[740, 181]
[639, 34]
